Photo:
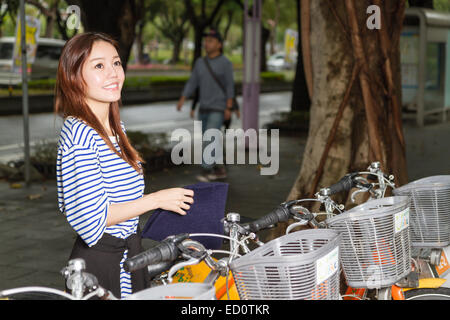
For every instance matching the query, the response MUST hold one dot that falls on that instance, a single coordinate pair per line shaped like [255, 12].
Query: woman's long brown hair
[70, 94]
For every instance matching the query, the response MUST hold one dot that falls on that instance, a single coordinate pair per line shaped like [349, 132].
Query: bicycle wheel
[428, 294]
[35, 296]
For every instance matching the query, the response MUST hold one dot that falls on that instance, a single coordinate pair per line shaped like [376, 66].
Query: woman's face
[103, 74]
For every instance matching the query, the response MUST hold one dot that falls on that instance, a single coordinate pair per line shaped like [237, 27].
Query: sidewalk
[36, 238]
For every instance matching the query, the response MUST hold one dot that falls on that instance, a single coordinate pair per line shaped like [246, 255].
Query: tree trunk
[198, 45]
[273, 29]
[200, 23]
[265, 34]
[355, 115]
[176, 50]
[300, 95]
[139, 43]
[49, 26]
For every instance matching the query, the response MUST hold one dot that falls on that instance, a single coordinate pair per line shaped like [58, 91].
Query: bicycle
[278, 276]
[405, 288]
[430, 232]
[283, 212]
[84, 286]
[159, 259]
[418, 283]
[240, 234]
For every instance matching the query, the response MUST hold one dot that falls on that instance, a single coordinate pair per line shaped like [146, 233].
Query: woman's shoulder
[75, 131]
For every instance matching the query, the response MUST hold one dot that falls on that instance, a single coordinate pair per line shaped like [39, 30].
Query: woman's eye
[118, 63]
[99, 66]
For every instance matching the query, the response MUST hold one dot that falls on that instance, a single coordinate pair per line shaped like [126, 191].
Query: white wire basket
[375, 247]
[430, 210]
[176, 291]
[302, 265]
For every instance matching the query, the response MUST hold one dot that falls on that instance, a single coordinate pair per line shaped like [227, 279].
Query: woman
[99, 174]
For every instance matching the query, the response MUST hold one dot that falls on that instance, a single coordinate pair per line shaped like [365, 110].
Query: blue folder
[203, 216]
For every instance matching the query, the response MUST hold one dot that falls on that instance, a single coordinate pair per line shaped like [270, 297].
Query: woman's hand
[174, 199]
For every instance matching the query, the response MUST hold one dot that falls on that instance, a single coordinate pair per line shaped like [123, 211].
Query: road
[152, 117]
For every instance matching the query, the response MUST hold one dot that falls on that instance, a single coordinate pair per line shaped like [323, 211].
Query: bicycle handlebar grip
[165, 251]
[345, 184]
[157, 269]
[279, 214]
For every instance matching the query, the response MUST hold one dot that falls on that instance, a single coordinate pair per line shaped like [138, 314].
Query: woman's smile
[112, 87]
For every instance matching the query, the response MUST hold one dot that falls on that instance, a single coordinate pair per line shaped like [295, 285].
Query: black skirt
[103, 261]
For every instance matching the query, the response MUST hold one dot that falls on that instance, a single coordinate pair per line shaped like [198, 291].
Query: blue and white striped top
[90, 176]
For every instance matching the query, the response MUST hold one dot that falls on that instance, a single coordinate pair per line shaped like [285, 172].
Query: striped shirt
[90, 176]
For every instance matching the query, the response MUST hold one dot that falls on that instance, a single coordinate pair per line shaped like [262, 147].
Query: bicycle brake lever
[178, 266]
[358, 191]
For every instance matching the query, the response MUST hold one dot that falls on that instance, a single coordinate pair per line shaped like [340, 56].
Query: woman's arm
[174, 199]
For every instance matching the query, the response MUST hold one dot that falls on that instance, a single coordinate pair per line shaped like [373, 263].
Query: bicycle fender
[428, 283]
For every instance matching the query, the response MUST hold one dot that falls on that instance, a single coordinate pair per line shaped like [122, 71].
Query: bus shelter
[425, 63]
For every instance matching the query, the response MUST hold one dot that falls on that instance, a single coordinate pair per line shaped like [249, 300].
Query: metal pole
[26, 132]
[252, 55]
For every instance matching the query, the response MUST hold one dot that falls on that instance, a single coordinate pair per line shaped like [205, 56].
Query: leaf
[34, 196]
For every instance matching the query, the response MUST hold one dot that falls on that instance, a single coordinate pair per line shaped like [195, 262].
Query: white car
[277, 62]
[44, 66]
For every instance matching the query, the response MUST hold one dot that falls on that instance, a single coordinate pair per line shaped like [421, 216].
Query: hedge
[137, 82]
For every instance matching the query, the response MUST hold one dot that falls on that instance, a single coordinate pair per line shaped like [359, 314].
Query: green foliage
[144, 82]
[148, 144]
[272, 76]
[147, 81]
[44, 84]
[442, 5]
[44, 152]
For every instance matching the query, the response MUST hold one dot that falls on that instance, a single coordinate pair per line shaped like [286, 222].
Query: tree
[117, 18]
[50, 10]
[265, 34]
[7, 7]
[227, 14]
[201, 15]
[355, 113]
[171, 19]
[300, 94]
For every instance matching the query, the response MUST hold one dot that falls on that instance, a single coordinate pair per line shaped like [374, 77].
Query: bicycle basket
[375, 247]
[176, 291]
[430, 210]
[300, 265]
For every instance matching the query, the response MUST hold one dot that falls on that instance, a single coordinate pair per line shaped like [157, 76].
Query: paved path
[152, 117]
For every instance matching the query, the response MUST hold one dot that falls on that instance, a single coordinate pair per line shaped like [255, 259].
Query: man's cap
[213, 33]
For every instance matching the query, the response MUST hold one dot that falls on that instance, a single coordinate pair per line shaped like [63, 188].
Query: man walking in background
[213, 75]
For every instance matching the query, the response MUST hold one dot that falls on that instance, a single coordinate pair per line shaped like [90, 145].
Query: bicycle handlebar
[156, 269]
[166, 251]
[279, 214]
[345, 184]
